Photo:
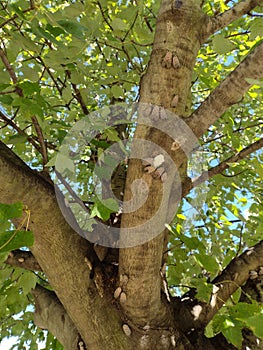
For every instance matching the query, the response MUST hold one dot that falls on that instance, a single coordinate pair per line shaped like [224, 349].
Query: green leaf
[63, 163]
[17, 139]
[14, 239]
[119, 25]
[72, 27]
[258, 167]
[74, 10]
[67, 94]
[190, 242]
[258, 82]
[55, 31]
[204, 291]
[256, 28]
[105, 208]
[181, 216]
[30, 73]
[208, 262]
[27, 281]
[10, 211]
[255, 324]
[209, 331]
[112, 134]
[117, 91]
[234, 335]
[17, 10]
[29, 88]
[221, 45]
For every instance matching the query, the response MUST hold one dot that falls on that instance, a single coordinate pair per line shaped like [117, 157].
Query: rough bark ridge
[82, 311]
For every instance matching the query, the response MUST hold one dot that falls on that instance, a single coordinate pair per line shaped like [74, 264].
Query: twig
[131, 26]
[80, 99]
[20, 131]
[16, 16]
[103, 15]
[43, 148]
[226, 163]
[41, 141]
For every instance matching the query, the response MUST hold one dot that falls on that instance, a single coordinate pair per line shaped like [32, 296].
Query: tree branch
[19, 130]
[196, 315]
[229, 92]
[221, 20]
[189, 184]
[10, 71]
[218, 169]
[23, 259]
[61, 253]
[51, 315]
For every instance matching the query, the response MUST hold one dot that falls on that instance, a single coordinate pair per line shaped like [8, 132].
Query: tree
[191, 64]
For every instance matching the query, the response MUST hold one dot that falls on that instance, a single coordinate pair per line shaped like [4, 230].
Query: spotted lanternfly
[174, 101]
[81, 345]
[167, 60]
[147, 161]
[253, 275]
[149, 169]
[126, 329]
[147, 110]
[117, 293]
[88, 262]
[164, 177]
[124, 279]
[158, 160]
[173, 342]
[158, 172]
[176, 62]
[155, 113]
[163, 115]
[175, 146]
[123, 298]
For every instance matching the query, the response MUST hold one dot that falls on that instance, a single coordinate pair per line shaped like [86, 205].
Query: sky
[6, 344]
